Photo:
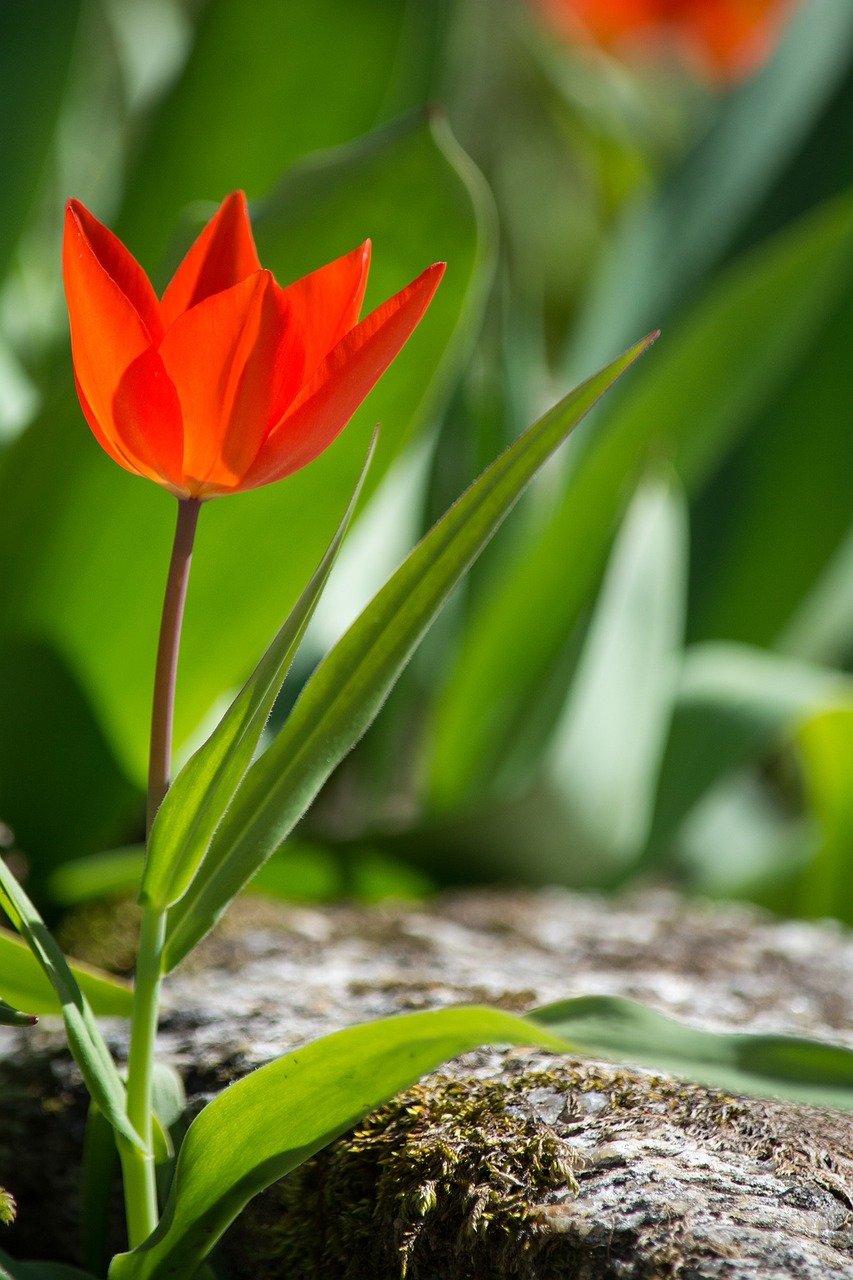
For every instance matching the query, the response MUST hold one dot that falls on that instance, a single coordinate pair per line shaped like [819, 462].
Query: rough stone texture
[515, 1164]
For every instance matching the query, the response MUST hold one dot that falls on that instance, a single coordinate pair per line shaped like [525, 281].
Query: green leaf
[703, 388]
[790, 474]
[11, 1017]
[23, 981]
[733, 701]
[608, 747]
[757, 1065]
[257, 73]
[826, 749]
[98, 876]
[347, 690]
[12, 1269]
[35, 54]
[266, 1124]
[205, 787]
[84, 1037]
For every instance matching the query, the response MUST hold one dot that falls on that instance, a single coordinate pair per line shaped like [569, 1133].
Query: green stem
[140, 1192]
[162, 715]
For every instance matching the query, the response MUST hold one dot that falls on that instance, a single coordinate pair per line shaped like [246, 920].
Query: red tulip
[229, 382]
[725, 39]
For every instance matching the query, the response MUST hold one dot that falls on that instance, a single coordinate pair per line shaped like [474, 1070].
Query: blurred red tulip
[724, 39]
[229, 382]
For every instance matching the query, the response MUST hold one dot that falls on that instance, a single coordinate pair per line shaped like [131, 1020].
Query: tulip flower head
[229, 381]
[724, 40]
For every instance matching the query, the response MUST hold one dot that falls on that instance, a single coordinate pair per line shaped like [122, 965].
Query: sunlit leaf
[23, 982]
[607, 749]
[825, 742]
[84, 1037]
[734, 701]
[269, 1122]
[758, 1065]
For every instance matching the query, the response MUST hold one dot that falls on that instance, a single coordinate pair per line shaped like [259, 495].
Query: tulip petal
[88, 237]
[327, 402]
[222, 256]
[328, 303]
[237, 360]
[109, 337]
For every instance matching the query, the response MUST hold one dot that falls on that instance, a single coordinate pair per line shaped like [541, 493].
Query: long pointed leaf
[347, 690]
[205, 787]
[609, 745]
[758, 1065]
[84, 1037]
[271, 1121]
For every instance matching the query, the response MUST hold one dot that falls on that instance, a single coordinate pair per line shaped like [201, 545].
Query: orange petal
[325, 405]
[222, 256]
[236, 361]
[327, 303]
[83, 230]
[108, 339]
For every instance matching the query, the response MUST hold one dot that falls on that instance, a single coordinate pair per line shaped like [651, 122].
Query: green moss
[453, 1166]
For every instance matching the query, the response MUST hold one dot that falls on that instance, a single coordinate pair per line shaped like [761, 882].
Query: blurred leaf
[199, 797]
[13, 1269]
[666, 245]
[349, 687]
[821, 628]
[733, 702]
[826, 749]
[23, 981]
[52, 744]
[85, 546]
[744, 839]
[271, 82]
[35, 54]
[101, 875]
[700, 390]
[269, 1122]
[785, 495]
[315, 873]
[761, 1066]
[607, 749]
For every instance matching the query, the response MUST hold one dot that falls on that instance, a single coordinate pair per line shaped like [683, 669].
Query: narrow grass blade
[84, 1037]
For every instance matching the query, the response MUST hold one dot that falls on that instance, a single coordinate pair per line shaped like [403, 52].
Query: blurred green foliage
[647, 673]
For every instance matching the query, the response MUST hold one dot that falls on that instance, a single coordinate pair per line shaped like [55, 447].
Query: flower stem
[160, 757]
[140, 1192]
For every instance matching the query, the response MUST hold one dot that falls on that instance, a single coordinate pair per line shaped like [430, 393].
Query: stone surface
[514, 1164]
